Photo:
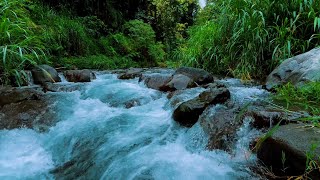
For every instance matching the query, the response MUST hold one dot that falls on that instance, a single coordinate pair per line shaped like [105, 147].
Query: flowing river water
[98, 138]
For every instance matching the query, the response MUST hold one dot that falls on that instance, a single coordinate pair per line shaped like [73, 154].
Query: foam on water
[22, 155]
[101, 139]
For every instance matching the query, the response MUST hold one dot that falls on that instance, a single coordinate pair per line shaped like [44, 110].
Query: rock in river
[187, 113]
[156, 81]
[199, 76]
[131, 73]
[79, 75]
[286, 151]
[178, 82]
[221, 124]
[44, 73]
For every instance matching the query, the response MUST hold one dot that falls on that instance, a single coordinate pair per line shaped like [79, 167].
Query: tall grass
[306, 97]
[20, 46]
[248, 38]
[65, 35]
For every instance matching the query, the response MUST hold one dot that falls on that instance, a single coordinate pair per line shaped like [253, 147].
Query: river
[98, 138]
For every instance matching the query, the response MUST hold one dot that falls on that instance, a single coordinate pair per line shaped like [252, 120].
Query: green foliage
[171, 18]
[200, 47]
[67, 36]
[136, 42]
[110, 11]
[100, 62]
[312, 157]
[19, 44]
[306, 97]
[248, 38]
[140, 33]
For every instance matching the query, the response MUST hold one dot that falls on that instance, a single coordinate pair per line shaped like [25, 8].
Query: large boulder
[14, 95]
[131, 73]
[187, 113]
[155, 81]
[199, 76]
[296, 70]
[178, 82]
[44, 73]
[221, 125]
[35, 114]
[287, 150]
[79, 75]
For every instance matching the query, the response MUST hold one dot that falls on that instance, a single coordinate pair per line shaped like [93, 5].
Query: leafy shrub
[20, 46]
[100, 62]
[248, 38]
[143, 41]
[302, 98]
[67, 36]
[306, 97]
[136, 42]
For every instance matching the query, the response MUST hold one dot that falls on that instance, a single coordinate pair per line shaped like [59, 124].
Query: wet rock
[187, 113]
[266, 117]
[44, 73]
[285, 151]
[199, 76]
[296, 70]
[180, 96]
[216, 84]
[54, 87]
[131, 73]
[221, 124]
[132, 103]
[178, 82]
[14, 95]
[35, 114]
[263, 118]
[174, 93]
[155, 81]
[79, 75]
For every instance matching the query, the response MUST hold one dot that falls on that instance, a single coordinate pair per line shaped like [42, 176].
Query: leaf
[4, 51]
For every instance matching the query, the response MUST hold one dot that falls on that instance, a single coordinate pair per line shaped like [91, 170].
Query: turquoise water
[98, 138]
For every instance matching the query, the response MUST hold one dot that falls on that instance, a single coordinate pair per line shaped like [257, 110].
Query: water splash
[98, 138]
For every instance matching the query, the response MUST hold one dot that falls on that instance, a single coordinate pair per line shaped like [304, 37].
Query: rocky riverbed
[145, 124]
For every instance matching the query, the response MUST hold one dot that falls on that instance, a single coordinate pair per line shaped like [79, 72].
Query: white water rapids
[99, 138]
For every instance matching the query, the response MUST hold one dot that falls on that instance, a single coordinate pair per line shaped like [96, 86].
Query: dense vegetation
[96, 34]
[305, 98]
[241, 38]
[248, 38]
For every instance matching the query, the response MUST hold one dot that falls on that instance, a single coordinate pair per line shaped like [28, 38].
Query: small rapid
[99, 137]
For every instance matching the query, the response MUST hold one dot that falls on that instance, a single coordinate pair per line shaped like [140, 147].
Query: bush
[68, 36]
[136, 42]
[303, 98]
[20, 46]
[99, 62]
[143, 43]
[306, 97]
[248, 38]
